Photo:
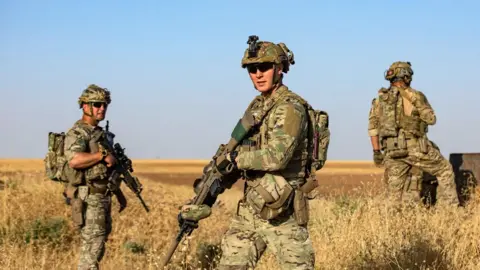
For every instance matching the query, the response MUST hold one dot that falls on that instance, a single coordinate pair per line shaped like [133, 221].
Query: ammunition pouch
[395, 147]
[423, 144]
[269, 196]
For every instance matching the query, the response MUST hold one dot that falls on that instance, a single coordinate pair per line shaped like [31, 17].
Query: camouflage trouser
[413, 181]
[248, 236]
[418, 186]
[98, 225]
[404, 188]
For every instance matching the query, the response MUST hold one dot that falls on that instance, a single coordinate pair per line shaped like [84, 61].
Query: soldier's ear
[279, 69]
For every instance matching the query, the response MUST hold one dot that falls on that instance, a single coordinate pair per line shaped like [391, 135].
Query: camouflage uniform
[89, 187]
[399, 117]
[418, 186]
[273, 158]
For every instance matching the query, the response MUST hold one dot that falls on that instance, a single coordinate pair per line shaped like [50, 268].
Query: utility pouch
[78, 207]
[74, 177]
[401, 141]
[269, 196]
[300, 207]
[423, 144]
[392, 148]
[77, 213]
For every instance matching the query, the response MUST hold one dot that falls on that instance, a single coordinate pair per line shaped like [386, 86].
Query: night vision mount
[252, 46]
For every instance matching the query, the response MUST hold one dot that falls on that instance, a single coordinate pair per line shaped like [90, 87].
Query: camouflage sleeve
[289, 120]
[75, 141]
[373, 119]
[424, 108]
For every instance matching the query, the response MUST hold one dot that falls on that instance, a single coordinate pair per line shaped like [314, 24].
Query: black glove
[228, 159]
[233, 156]
[378, 157]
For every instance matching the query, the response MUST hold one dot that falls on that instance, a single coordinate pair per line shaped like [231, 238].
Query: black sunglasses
[262, 67]
[99, 104]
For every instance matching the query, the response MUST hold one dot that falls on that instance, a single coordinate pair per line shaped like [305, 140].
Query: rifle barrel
[171, 250]
[143, 203]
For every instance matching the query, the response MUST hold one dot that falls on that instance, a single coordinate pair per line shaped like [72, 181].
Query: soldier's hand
[378, 157]
[110, 160]
[226, 160]
[232, 156]
[410, 96]
[194, 212]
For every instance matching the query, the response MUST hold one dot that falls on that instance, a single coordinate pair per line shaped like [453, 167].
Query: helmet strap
[91, 110]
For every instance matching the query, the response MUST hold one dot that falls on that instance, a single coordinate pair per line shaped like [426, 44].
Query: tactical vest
[271, 193]
[96, 175]
[295, 171]
[392, 117]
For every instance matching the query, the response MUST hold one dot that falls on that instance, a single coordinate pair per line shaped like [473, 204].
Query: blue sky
[175, 76]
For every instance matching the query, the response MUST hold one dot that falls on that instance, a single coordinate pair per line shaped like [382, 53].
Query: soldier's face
[262, 76]
[99, 110]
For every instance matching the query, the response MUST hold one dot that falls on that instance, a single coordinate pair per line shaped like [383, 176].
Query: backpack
[321, 137]
[318, 142]
[55, 161]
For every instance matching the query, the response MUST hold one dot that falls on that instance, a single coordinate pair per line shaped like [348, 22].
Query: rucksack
[318, 142]
[319, 138]
[55, 160]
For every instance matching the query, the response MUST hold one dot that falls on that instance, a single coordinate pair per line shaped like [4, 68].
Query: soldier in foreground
[398, 126]
[89, 168]
[276, 158]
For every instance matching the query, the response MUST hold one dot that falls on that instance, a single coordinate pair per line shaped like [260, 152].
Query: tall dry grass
[361, 232]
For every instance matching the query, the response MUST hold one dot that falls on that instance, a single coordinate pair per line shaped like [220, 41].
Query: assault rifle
[123, 167]
[218, 175]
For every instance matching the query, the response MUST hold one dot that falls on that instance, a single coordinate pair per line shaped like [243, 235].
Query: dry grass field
[351, 226]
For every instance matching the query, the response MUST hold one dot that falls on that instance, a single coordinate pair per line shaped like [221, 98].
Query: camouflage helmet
[94, 93]
[267, 52]
[399, 70]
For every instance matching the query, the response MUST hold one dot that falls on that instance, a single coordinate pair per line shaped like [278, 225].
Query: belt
[96, 190]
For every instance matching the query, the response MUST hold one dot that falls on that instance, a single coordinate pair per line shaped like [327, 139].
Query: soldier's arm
[424, 108]
[74, 149]
[289, 120]
[373, 125]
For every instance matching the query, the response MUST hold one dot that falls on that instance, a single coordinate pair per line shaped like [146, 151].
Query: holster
[77, 213]
[78, 207]
[300, 207]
